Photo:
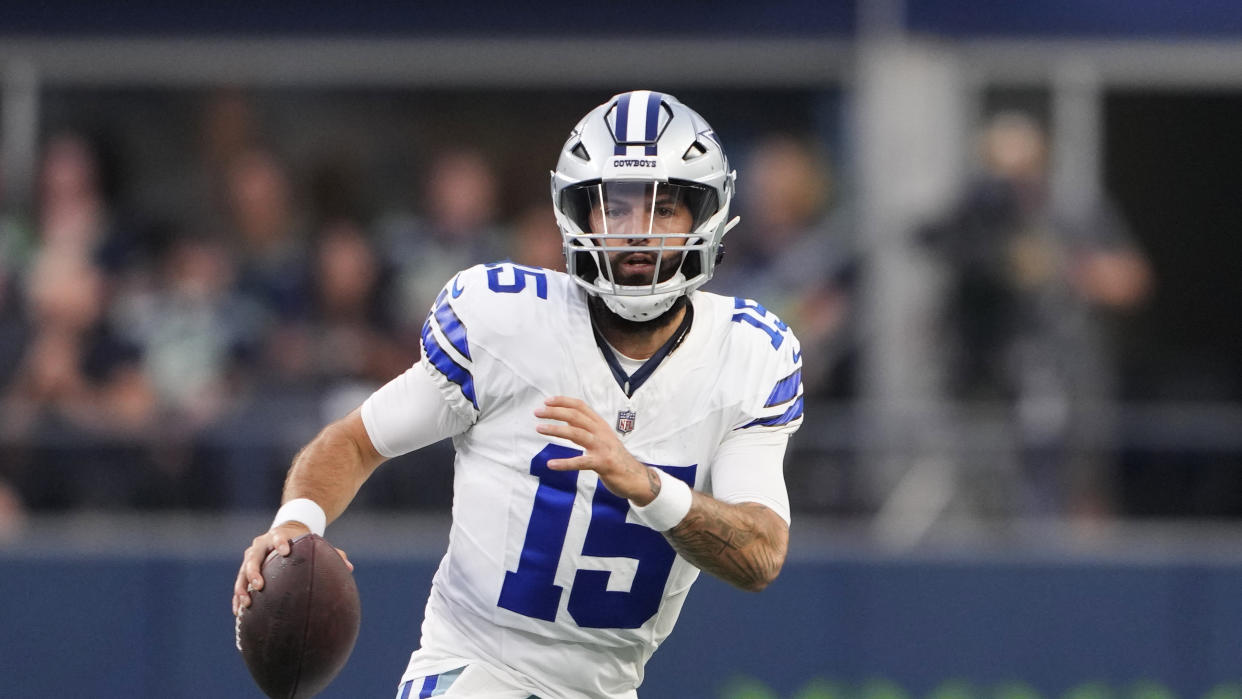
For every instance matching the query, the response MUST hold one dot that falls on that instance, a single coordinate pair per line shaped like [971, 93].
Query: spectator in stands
[1030, 287]
[458, 227]
[85, 250]
[269, 240]
[192, 327]
[794, 250]
[355, 348]
[534, 241]
[229, 128]
[352, 320]
[78, 385]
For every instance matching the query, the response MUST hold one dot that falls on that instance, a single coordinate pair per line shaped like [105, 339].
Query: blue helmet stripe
[786, 389]
[793, 413]
[453, 329]
[623, 124]
[653, 121]
[446, 365]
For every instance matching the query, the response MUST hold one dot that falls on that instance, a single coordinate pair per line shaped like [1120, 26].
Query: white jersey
[547, 574]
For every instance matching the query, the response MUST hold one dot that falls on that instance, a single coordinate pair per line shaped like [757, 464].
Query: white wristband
[302, 510]
[669, 507]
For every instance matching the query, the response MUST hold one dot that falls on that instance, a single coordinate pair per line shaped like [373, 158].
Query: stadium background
[931, 554]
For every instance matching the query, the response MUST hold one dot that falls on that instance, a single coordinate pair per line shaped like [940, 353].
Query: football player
[616, 430]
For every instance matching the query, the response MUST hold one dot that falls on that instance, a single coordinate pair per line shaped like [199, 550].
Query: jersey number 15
[531, 590]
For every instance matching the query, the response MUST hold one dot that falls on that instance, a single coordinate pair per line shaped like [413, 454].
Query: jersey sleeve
[749, 467]
[446, 349]
[408, 413]
[774, 375]
[482, 331]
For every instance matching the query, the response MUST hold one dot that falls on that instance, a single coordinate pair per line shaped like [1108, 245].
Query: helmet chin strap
[639, 308]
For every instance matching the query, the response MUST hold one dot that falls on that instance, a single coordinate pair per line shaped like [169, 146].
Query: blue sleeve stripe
[453, 329]
[446, 365]
[794, 412]
[786, 389]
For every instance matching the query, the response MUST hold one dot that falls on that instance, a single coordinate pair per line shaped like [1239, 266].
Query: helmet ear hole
[586, 265]
[691, 264]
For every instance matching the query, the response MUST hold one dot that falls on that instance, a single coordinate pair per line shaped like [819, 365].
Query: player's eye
[666, 211]
[616, 211]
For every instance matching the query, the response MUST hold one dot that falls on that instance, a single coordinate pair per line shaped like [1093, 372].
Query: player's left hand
[603, 452]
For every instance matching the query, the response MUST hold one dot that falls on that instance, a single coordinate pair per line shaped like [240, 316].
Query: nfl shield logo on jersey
[625, 421]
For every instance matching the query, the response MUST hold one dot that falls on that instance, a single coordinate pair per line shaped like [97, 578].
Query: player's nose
[636, 231]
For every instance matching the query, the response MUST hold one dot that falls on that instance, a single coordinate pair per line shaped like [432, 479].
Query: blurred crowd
[158, 364]
[1034, 290]
[169, 365]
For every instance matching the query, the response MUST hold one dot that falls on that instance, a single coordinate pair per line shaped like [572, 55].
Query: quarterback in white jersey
[617, 430]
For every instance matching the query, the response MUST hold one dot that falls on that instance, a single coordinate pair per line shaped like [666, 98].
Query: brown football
[301, 627]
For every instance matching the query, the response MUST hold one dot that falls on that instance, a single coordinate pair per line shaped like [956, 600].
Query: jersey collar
[630, 383]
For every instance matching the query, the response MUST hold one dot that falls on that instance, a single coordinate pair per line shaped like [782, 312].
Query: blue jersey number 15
[531, 590]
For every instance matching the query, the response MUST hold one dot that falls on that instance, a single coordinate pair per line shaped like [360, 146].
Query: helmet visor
[640, 231]
[644, 208]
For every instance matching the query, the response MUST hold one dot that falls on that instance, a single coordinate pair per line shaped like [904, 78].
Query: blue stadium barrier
[159, 626]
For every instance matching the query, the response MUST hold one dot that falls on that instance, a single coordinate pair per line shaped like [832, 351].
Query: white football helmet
[645, 177]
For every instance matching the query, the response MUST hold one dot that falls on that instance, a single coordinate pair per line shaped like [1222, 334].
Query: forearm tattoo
[741, 544]
[653, 481]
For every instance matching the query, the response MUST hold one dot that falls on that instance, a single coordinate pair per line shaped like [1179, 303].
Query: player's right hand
[250, 577]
